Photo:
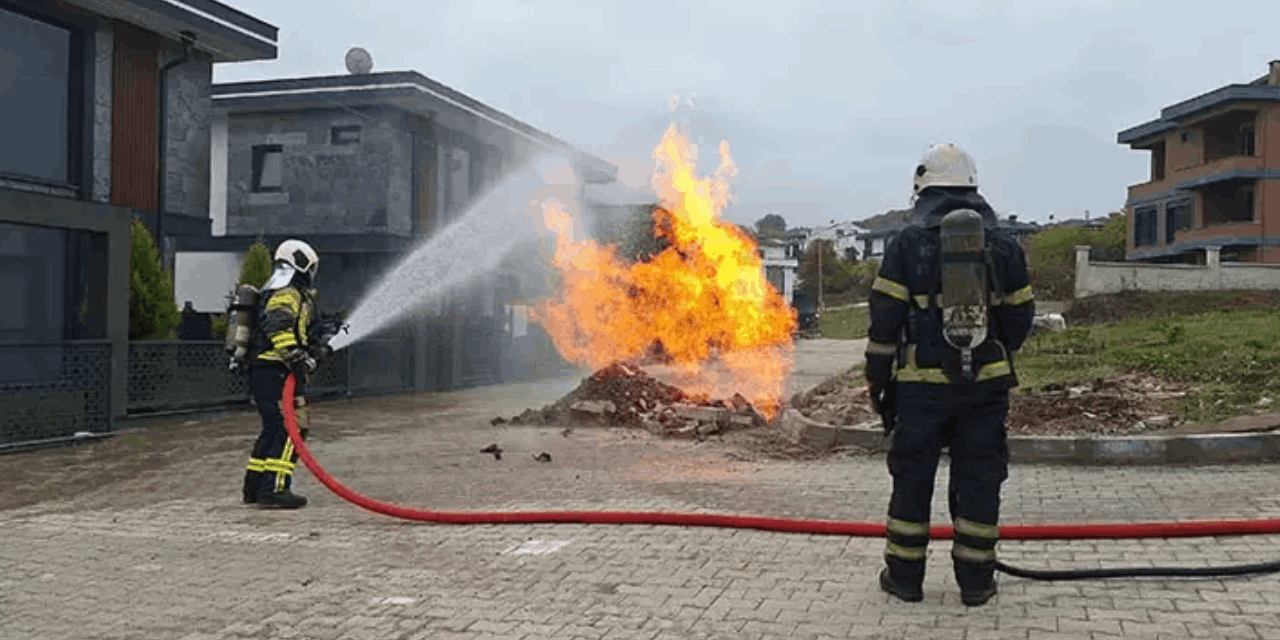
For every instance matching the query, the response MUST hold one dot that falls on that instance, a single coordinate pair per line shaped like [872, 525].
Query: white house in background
[780, 269]
[844, 235]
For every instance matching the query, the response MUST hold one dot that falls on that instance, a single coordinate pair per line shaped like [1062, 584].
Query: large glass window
[35, 99]
[1144, 226]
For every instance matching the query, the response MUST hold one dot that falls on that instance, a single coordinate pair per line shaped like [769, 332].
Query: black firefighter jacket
[906, 326]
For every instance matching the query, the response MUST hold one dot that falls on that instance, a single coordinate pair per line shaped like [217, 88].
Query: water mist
[469, 247]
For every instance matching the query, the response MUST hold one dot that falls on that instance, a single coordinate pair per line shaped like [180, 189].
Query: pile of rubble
[625, 395]
[841, 399]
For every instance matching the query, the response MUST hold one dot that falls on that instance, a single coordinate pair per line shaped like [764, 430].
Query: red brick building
[1215, 177]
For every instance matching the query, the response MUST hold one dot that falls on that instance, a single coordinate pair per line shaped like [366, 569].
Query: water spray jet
[470, 246]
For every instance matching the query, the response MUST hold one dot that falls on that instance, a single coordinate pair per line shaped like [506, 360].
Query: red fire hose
[1186, 529]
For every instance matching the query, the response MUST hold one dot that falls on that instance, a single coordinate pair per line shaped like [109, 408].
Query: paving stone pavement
[142, 536]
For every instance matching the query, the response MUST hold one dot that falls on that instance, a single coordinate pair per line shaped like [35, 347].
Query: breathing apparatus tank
[964, 296]
[240, 320]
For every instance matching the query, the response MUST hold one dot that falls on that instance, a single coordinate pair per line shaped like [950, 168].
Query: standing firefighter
[952, 301]
[279, 344]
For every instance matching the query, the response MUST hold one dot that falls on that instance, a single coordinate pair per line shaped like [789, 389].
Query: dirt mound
[1122, 405]
[632, 392]
[626, 395]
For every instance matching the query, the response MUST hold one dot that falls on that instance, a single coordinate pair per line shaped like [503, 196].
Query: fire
[704, 300]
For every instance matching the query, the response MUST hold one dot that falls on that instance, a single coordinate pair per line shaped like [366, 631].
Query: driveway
[143, 536]
[819, 359]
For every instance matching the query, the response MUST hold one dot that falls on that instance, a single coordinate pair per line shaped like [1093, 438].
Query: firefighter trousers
[273, 458]
[970, 420]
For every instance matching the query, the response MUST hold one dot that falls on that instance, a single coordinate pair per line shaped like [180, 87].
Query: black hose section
[1140, 572]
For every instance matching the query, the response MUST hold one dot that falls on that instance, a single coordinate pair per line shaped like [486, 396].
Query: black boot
[281, 500]
[251, 481]
[903, 579]
[977, 582]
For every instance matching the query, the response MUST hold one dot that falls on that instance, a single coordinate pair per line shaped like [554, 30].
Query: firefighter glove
[884, 400]
[301, 363]
[879, 370]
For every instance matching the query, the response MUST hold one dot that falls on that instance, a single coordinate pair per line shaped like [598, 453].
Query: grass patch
[1225, 344]
[1231, 357]
[1117, 308]
[849, 323]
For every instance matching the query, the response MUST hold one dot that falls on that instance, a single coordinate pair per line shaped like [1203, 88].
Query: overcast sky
[827, 109]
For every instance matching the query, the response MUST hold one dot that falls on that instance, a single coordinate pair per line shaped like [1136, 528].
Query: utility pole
[820, 252]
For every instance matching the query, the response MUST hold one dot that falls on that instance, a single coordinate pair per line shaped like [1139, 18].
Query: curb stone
[1077, 450]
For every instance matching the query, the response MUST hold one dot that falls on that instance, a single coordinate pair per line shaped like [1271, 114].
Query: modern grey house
[364, 167]
[105, 115]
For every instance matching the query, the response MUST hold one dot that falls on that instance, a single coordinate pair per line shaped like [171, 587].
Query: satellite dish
[359, 61]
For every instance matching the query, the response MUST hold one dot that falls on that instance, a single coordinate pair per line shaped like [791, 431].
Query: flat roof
[227, 34]
[408, 90]
[1171, 115]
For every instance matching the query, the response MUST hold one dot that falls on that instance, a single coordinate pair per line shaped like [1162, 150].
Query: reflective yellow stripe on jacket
[291, 301]
[915, 373]
[1021, 296]
[891, 289]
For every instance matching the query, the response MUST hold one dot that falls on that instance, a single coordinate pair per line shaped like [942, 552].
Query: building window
[1229, 135]
[1228, 202]
[1247, 137]
[1157, 162]
[344, 135]
[1177, 216]
[1144, 226]
[268, 167]
[777, 278]
[41, 100]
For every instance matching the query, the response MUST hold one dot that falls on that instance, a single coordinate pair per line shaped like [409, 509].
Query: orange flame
[704, 299]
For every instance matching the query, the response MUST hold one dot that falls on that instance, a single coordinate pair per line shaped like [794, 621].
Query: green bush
[255, 268]
[153, 313]
[1051, 255]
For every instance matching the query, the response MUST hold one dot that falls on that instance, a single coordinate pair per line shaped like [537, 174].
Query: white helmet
[298, 255]
[945, 165]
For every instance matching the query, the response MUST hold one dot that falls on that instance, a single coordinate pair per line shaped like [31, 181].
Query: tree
[153, 314]
[772, 226]
[1051, 255]
[839, 277]
[255, 268]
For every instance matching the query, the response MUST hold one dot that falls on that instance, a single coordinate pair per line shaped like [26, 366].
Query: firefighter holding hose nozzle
[277, 332]
[950, 305]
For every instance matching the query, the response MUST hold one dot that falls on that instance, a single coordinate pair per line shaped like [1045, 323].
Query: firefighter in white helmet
[951, 302]
[280, 346]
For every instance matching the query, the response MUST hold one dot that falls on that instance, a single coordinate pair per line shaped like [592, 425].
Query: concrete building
[880, 230]
[844, 235]
[365, 167]
[1215, 177]
[105, 115]
[781, 269]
